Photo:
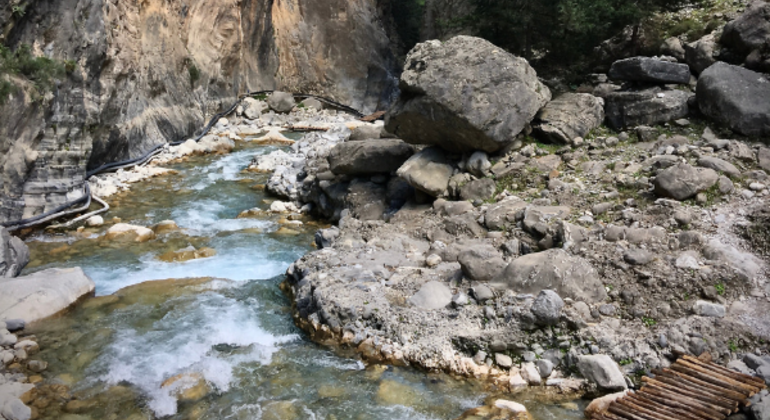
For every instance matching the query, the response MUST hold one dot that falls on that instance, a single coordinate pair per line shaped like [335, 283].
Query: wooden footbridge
[693, 388]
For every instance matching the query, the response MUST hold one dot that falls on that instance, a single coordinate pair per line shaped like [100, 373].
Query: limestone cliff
[151, 71]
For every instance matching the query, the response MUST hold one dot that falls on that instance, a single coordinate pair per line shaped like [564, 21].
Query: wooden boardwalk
[693, 388]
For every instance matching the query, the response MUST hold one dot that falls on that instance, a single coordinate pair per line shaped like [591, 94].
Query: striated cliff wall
[150, 71]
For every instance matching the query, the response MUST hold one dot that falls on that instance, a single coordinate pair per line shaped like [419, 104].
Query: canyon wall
[152, 71]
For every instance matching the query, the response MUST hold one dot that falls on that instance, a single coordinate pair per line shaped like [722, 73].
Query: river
[217, 331]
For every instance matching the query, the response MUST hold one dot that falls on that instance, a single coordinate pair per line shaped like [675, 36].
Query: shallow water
[225, 330]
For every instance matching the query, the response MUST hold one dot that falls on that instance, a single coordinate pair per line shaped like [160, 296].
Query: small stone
[433, 260]
[682, 122]
[95, 221]
[607, 309]
[709, 309]
[517, 382]
[663, 341]
[603, 371]
[503, 361]
[545, 367]
[460, 299]
[638, 256]
[480, 357]
[37, 366]
[529, 356]
[511, 406]
[482, 293]
[530, 374]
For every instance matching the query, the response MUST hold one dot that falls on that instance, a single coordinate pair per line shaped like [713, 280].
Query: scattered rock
[434, 108]
[547, 308]
[367, 157]
[709, 309]
[683, 181]
[568, 116]
[603, 371]
[428, 171]
[281, 102]
[480, 189]
[600, 405]
[700, 54]
[503, 361]
[544, 367]
[638, 256]
[569, 276]
[432, 295]
[95, 221]
[645, 69]
[530, 373]
[187, 387]
[481, 263]
[719, 165]
[479, 165]
[750, 31]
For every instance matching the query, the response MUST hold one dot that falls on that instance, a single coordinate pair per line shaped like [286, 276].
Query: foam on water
[183, 342]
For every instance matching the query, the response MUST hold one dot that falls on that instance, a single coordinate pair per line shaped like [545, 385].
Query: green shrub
[42, 71]
[195, 73]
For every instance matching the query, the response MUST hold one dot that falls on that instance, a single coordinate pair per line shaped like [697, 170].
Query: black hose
[112, 167]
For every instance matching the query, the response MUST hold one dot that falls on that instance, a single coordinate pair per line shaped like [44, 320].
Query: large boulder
[43, 294]
[569, 276]
[368, 157]
[465, 94]
[14, 254]
[736, 97]
[645, 107]
[568, 116]
[683, 181]
[428, 171]
[700, 54]
[603, 371]
[281, 101]
[646, 69]
[750, 32]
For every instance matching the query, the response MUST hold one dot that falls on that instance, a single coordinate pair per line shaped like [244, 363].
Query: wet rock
[187, 254]
[42, 294]
[187, 387]
[391, 392]
[367, 157]
[124, 232]
[165, 226]
[95, 221]
[736, 97]
[645, 69]
[37, 366]
[600, 405]
[433, 107]
[547, 308]
[432, 295]
[645, 107]
[709, 309]
[428, 171]
[719, 165]
[569, 276]
[14, 409]
[568, 116]
[480, 189]
[683, 181]
[481, 263]
[603, 371]
[14, 254]
[281, 102]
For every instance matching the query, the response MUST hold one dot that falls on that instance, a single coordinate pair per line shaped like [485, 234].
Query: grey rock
[253, 108]
[460, 299]
[690, 238]
[480, 189]
[740, 367]
[547, 308]
[607, 309]
[13, 325]
[709, 309]
[719, 165]
[528, 356]
[502, 214]
[366, 132]
[745, 264]
[503, 361]
[761, 411]
[42, 294]
[434, 107]
[482, 293]
[645, 69]
[14, 254]
[673, 47]
[479, 165]
[313, 103]
[545, 367]
[568, 116]
[281, 101]
[725, 185]
[367, 157]
[763, 158]
[603, 371]
[432, 295]
[481, 262]
[736, 97]
[753, 361]
[324, 238]
[569, 276]
[428, 171]
[683, 181]
[452, 208]
[663, 341]
[645, 107]
[700, 54]
[751, 31]
[14, 409]
[638, 256]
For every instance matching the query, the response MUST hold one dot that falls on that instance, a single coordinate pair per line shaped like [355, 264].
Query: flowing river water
[216, 331]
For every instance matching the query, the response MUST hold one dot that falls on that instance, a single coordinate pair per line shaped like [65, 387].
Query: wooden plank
[680, 383]
[706, 398]
[675, 413]
[651, 414]
[675, 404]
[742, 377]
[703, 409]
[738, 396]
[748, 387]
[710, 379]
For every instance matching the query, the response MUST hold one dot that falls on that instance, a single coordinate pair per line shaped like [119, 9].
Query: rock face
[14, 254]
[43, 294]
[736, 97]
[645, 69]
[645, 107]
[465, 94]
[568, 116]
[555, 269]
[368, 157]
[153, 72]
[428, 171]
[683, 181]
